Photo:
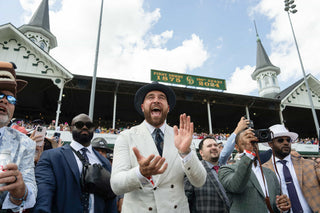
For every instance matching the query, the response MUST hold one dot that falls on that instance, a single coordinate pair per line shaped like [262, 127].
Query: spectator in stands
[139, 168]
[249, 190]
[18, 187]
[58, 174]
[299, 177]
[211, 197]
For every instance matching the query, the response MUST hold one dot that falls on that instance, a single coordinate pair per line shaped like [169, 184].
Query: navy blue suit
[58, 181]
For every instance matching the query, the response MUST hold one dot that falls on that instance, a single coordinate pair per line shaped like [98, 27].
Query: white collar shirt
[92, 160]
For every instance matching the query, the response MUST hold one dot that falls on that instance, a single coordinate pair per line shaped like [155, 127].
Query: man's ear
[237, 147]
[200, 152]
[271, 144]
[142, 108]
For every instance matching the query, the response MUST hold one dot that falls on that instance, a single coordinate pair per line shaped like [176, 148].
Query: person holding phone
[19, 190]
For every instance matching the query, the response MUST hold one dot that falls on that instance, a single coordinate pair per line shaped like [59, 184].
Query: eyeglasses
[280, 140]
[10, 98]
[80, 125]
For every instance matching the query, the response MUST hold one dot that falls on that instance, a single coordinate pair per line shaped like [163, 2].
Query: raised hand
[151, 165]
[183, 135]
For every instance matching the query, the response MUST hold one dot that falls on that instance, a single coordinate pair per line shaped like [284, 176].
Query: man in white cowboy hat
[151, 159]
[299, 177]
[17, 180]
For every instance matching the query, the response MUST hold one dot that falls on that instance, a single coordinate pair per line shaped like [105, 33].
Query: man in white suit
[151, 159]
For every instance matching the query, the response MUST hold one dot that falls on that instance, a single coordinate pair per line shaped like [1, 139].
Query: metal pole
[59, 105]
[209, 118]
[305, 81]
[93, 84]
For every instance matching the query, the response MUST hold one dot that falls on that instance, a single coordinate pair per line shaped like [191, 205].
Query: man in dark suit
[211, 197]
[246, 184]
[58, 174]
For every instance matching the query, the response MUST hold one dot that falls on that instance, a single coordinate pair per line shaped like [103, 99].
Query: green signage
[188, 80]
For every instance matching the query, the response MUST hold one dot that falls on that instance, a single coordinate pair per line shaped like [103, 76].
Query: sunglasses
[80, 125]
[280, 140]
[10, 98]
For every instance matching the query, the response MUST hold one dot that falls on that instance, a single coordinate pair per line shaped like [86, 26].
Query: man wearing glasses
[17, 182]
[299, 177]
[58, 174]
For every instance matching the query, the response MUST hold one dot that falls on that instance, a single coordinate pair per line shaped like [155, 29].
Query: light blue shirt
[227, 150]
[11, 139]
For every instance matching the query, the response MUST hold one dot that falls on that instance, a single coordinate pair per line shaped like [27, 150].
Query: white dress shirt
[92, 160]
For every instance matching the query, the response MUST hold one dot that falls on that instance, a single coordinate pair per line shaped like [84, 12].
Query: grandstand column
[280, 114]
[115, 107]
[209, 118]
[61, 85]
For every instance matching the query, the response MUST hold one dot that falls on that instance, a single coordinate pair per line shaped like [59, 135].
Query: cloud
[241, 82]
[306, 23]
[128, 49]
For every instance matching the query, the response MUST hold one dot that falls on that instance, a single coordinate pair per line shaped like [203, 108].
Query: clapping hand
[183, 135]
[151, 165]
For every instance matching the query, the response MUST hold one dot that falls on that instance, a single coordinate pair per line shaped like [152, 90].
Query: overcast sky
[212, 38]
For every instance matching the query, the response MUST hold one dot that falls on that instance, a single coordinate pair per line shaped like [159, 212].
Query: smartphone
[56, 136]
[40, 130]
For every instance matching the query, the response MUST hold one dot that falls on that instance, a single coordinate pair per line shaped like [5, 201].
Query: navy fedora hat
[154, 86]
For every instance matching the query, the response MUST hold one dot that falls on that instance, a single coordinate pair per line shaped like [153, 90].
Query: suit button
[188, 168]
[155, 188]
[140, 187]
[172, 186]
[150, 208]
[175, 206]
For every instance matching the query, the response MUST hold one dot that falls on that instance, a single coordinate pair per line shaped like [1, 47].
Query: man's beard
[280, 154]
[152, 121]
[82, 138]
[5, 119]
[214, 159]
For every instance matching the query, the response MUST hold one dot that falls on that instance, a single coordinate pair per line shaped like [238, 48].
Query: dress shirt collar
[287, 158]
[152, 128]
[77, 146]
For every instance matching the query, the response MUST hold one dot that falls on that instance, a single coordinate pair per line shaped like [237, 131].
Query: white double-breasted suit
[167, 195]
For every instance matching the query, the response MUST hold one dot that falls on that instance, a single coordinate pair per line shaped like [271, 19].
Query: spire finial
[255, 27]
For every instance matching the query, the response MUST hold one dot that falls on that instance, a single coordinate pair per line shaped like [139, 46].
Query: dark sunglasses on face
[80, 125]
[10, 98]
[280, 140]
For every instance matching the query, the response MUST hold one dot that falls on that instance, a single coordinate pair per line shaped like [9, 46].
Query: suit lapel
[71, 161]
[212, 179]
[297, 168]
[103, 160]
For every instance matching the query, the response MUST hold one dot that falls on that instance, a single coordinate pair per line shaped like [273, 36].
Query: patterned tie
[295, 203]
[158, 139]
[216, 168]
[85, 195]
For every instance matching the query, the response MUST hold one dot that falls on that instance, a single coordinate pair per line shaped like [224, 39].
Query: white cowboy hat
[280, 130]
